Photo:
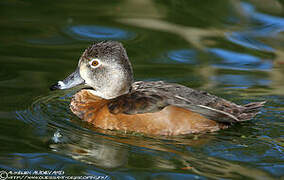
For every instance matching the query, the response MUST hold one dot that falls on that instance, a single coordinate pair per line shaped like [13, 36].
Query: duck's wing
[153, 96]
[138, 102]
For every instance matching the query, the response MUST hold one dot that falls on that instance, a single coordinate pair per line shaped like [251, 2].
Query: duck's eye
[95, 63]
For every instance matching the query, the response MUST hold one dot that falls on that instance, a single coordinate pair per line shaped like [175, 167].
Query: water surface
[233, 49]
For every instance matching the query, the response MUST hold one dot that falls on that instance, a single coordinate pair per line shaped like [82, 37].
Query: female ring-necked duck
[114, 101]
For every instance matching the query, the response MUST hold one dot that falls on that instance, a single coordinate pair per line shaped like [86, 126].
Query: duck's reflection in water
[93, 149]
[112, 150]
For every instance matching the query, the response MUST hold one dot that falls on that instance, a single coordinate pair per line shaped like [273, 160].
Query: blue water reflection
[183, 56]
[239, 61]
[277, 22]
[92, 32]
[245, 39]
[242, 152]
[270, 26]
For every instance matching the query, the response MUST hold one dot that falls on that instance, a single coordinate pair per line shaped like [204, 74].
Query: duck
[110, 99]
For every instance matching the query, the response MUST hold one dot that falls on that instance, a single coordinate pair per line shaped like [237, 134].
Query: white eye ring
[95, 63]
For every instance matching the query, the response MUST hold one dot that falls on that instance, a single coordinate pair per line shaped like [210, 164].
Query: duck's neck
[113, 87]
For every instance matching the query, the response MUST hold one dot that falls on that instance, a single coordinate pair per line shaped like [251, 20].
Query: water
[233, 49]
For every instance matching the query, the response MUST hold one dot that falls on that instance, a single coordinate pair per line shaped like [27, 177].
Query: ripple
[246, 40]
[277, 22]
[183, 56]
[48, 112]
[239, 61]
[270, 26]
[92, 32]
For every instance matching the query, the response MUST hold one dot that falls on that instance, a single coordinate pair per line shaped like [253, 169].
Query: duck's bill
[72, 80]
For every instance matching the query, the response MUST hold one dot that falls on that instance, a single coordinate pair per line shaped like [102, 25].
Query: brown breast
[169, 121]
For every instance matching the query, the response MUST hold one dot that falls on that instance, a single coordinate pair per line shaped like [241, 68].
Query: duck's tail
[250, 110]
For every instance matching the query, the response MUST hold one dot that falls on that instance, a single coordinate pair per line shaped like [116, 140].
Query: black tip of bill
[54, 87]
[72, 80]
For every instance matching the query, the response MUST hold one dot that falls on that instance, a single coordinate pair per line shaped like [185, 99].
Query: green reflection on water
[37, 49]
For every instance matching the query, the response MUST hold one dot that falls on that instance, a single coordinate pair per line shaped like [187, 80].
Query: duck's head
[105, 67]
